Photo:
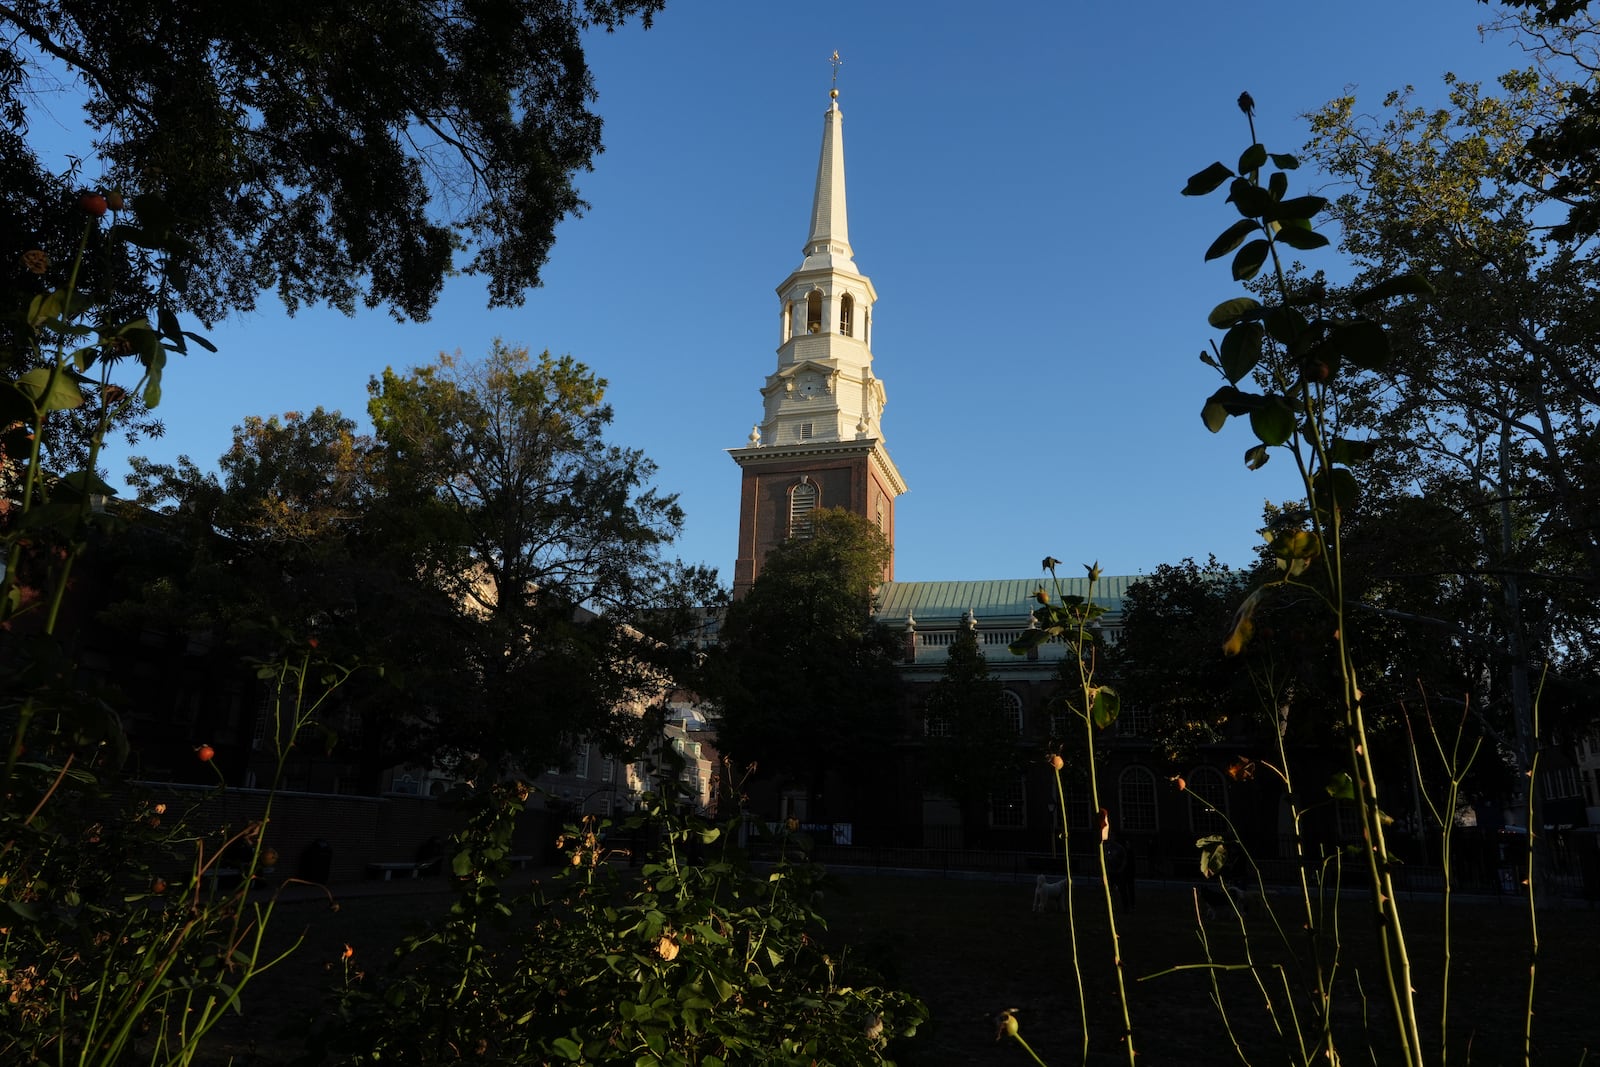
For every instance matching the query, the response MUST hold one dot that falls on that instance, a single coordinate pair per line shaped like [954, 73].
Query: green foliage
[1305, 372]
[806, 681]
[971, 745]
[501, 492]
[671, 961]
[340, 156]
[1486, 400]
[471, 543]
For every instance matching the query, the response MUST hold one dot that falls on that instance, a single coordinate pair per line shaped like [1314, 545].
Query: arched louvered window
[847, 314]
[802, 507]
[814, 311]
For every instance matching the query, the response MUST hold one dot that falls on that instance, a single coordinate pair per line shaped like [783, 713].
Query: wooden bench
[410, 868]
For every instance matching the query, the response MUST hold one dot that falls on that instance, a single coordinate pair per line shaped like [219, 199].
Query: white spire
[829, 245]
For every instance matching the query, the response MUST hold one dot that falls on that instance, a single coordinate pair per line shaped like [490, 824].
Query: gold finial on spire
[834, 92]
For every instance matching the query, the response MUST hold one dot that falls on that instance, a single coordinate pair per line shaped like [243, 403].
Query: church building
[820, 443]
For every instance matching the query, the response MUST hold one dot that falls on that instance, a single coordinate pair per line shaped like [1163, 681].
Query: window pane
[1136, 796]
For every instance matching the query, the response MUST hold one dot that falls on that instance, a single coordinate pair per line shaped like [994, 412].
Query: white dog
[1046, 891]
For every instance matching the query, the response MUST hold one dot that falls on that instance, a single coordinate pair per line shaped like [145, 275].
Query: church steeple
[819, 441]
[829, 245]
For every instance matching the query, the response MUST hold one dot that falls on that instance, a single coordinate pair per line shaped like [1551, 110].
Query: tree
[1489, 403]
[501, 493]
[972, 746]
[807, 681]
[333, 154]
[1167, 659]
[1562, 153]
[278, 549]
[486, 546]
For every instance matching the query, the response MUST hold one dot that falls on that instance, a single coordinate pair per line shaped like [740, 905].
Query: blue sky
[1013, 193]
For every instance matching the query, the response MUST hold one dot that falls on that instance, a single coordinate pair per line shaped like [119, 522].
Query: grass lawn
[969, 948]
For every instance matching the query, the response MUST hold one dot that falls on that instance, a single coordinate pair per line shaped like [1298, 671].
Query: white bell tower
[819, 442]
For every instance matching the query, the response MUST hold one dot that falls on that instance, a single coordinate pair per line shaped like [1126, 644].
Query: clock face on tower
[810, 386]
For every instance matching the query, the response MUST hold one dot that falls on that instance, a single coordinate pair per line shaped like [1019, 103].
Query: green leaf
[201, 341]
[1273, 422]
[1256, 456]
[56, 306]
[1285, 325]
[1346, 452]
[24, 910]
[1277, 185]
[1106, 707]
[1241, 350]
[1204, 182]
[1213, 855]
[59, 394]
[168, 322]
[1250, 258]
[1363, 342]
[1399, 285]
[152, 387]
[1244, 625]
[1215, 416]
[1253, 158]
[1237, 401]
[461, 864]
[1239, 309]
[1298, 546]
[1303, 239]
[1030, 640]
[1284, 161]
[1231, 238]
[1251, 200]
[1300, 207]
[568, 1048]
[1341, 786]
[1335, 487]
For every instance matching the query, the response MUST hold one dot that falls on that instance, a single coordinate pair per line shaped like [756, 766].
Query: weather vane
[834, 90]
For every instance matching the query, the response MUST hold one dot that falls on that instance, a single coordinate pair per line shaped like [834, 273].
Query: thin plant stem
[1072, 924]
[1081, 644]
[1533, 910]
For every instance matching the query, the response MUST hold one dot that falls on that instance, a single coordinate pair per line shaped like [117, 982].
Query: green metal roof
[935, 602]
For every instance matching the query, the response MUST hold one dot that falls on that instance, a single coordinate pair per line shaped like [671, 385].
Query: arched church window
[1136, 796]
[847, 314]
[802, 508]
[1010, 712]
[814, 311]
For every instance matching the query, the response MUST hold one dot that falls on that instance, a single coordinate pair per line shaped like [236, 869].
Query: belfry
[819, 442]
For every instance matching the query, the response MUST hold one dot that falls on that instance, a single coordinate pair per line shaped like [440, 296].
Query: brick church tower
[819, 443]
